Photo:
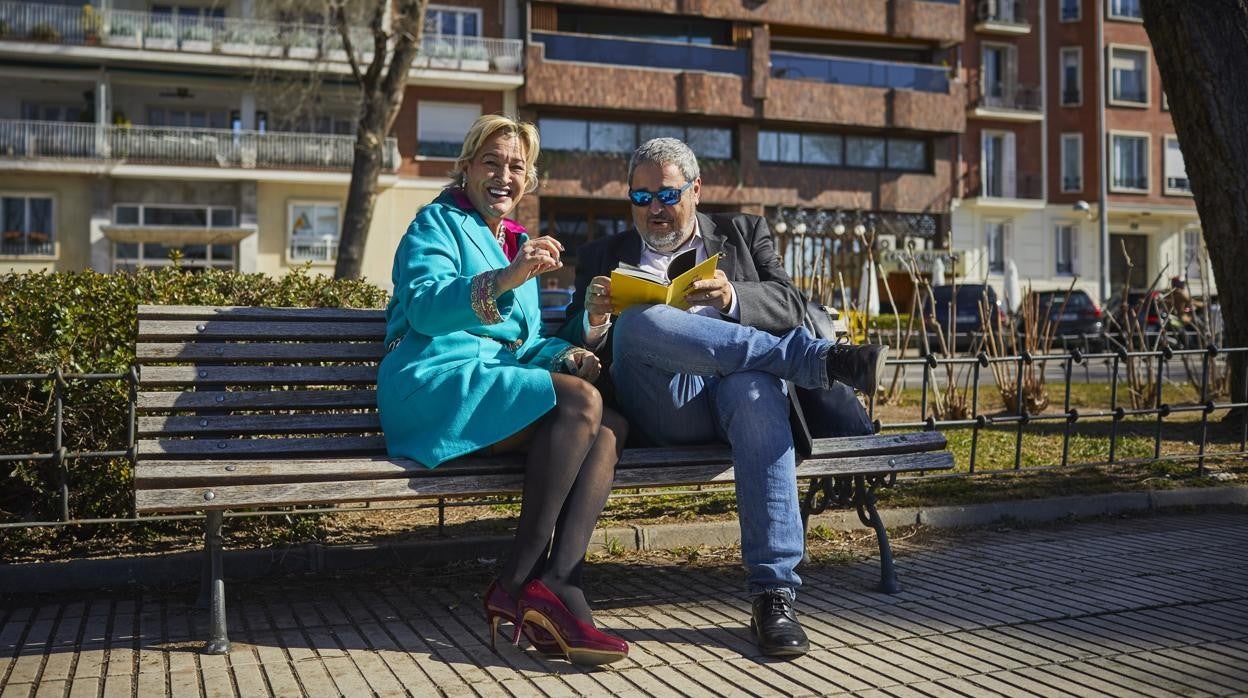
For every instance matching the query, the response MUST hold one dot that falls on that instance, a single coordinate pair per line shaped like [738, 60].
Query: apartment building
[826, 117]
[1095, 141]
[129, 129]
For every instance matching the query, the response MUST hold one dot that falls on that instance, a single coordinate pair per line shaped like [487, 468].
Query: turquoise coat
[457, 378]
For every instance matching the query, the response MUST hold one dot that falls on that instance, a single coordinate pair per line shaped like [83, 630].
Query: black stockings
[568, 475]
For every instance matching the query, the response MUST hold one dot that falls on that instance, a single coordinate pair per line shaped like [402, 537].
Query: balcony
[1007, 101]
[1072, 184]
[182, 147]
[609, 50]
[858, 72]
[1178, 185]
[1006, 17]
[210, 39]
[994, 188]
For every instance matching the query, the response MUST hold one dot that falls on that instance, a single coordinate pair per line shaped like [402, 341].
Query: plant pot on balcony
[121, 40]
[506, 64]
[160, 36]
[302, 53]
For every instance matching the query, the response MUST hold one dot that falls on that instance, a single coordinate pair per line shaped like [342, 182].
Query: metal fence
[1212, 362]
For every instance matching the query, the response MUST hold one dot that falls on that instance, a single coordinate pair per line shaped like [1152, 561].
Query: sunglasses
[669, 196]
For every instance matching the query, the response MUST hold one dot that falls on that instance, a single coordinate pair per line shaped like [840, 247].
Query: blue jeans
[685, 379]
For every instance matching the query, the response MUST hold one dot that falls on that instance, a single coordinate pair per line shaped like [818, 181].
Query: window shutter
[1009, 174]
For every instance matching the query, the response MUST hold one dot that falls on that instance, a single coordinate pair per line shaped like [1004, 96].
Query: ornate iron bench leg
[212, 589]
[835, 491]
[864, 499]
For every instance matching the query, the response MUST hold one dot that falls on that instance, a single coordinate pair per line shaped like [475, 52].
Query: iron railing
[1201, 366]
[86, 25]
[194, 147]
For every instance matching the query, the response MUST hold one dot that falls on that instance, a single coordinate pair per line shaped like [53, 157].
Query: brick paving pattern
[1146, 606]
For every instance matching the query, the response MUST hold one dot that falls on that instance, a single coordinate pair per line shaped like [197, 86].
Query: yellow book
[631, 285]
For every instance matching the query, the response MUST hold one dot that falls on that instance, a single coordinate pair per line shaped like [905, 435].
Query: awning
[177, 235]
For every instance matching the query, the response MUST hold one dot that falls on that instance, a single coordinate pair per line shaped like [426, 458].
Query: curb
[185, 567]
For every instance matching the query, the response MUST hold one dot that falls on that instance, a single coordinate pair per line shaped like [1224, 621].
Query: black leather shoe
[857, 365]
[775, 626]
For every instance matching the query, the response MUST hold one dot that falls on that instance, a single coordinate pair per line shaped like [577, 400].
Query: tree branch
[344, 32]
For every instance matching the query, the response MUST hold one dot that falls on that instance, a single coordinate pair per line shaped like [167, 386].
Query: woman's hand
[536, 256]
[583, 363]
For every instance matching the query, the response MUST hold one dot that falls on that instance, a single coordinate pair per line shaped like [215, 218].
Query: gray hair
[666, 151]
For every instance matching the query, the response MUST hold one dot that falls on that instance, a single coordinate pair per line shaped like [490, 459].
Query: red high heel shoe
[499, 606]
[580, 641]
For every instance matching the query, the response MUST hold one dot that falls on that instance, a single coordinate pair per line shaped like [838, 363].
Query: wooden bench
[264, 407]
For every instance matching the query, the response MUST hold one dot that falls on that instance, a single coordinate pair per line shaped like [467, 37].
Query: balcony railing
[1179, 184]
[1001, 12]
[89, 26]
[1072, 183]
[863, 73]
[14, 242]
[1010, 96]
[648, 54]
[1130, 181]
[1071, 97]
[991, 184]
[194, 147]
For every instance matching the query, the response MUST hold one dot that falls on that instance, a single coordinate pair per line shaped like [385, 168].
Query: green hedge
[85, 323]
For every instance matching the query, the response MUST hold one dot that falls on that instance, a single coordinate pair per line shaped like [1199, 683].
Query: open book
[631, 285]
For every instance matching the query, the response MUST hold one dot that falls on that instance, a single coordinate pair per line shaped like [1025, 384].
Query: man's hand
[584, 364]
[536, 256]
[716, 292]
[598, 300]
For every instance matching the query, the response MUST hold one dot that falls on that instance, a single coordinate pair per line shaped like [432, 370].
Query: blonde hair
[484, 128]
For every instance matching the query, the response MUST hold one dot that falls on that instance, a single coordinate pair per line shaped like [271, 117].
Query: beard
[666, 243]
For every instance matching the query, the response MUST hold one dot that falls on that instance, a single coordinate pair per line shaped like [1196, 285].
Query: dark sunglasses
[669, 196]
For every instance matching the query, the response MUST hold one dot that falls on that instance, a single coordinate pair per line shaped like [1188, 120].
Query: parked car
[968, 324]
[554, 302]
[1068, 317]
[1147, 307]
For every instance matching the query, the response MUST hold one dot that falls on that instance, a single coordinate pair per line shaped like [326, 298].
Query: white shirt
[657, 262]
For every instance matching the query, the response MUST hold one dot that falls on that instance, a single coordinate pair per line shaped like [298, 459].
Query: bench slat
[242, 448]
[193, 330]
[222, 401]
[170, 376]
[285, 494]
[226, 352]
[221, 425]
[233, 312]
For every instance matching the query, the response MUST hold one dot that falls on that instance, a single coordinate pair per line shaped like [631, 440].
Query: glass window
[612, 137]
[1065, 240]
[1176, 168]
[453, 21]
[1072, 162]
[563, 134]
[314, 231]
[1072, 81]
[222, 218]
[1125, 8]
[1129, 75]
[1070, 10]
[181, 217]
[768, 146]
[996, 233]
[864, 151]
[126, 215]
[130, 256]
[1130, 162]
[26, 226]
[821, 150]
[1192, 254]
[710, 143]
[441, 127]
[907, 154]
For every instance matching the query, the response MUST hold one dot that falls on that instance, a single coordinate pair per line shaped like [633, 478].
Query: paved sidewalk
[1154, 605]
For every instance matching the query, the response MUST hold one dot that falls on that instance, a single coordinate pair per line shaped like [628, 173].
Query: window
[1070, 10]
[1066, 246]
[1130, 163]
[1125, 9]
[1000, 72]
[454, 21]
[1072, 162]
[999, 171]
[708, 143]
[314, 231]
[907, 154]
[864, 151]
[188, 118]
[32, 111]
[1072, 76]
[1192, 254]
[997, 235]
[174, 216]
[27, 225]
[441, 127]
[1128, 76]
[129, 256]
[835, 150]
[1176, 169]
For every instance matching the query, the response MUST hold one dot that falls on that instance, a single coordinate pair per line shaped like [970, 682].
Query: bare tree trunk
[381, 97]
[1201, 48]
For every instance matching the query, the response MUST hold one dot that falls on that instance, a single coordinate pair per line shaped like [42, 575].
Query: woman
[466, 371]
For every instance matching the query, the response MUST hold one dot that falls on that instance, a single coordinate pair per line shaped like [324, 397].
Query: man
[718, 371]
